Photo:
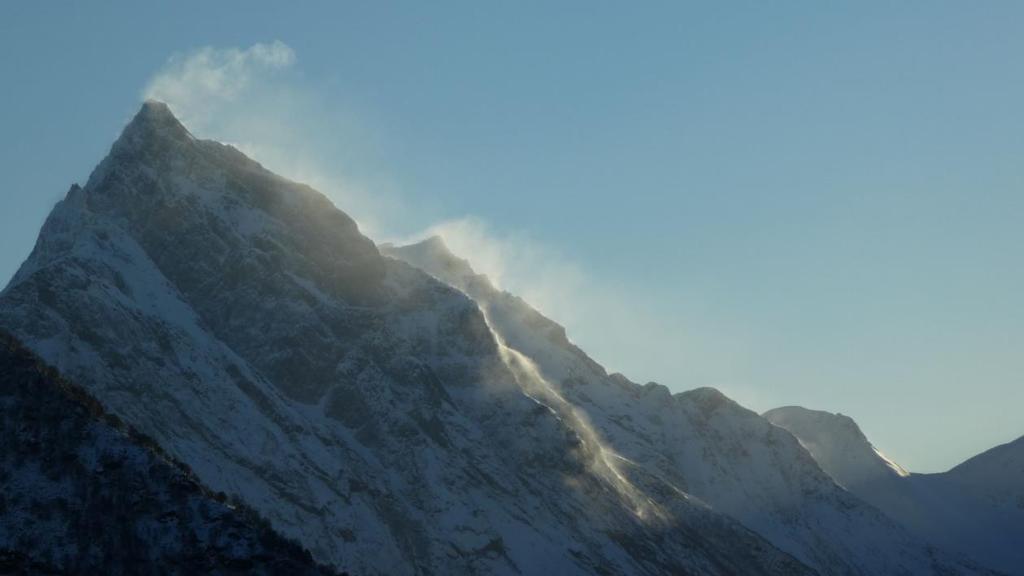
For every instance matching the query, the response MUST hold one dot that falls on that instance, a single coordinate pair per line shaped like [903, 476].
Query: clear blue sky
[799, 204]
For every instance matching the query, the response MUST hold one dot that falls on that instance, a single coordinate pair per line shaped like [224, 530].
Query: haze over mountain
[392, 411]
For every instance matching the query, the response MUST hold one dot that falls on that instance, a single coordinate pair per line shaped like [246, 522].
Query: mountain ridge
[365, 408]
[389, 408]
[699, 440]
[976, 508]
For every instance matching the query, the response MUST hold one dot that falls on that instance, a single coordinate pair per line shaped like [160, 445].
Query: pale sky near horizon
[796, 204]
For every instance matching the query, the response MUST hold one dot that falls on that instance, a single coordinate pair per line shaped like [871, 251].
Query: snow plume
[257, 100]
[608, 317]
[601, 459]
[515, 262]
[193, 84]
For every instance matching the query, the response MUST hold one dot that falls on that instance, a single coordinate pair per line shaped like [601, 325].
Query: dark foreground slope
[81, 493]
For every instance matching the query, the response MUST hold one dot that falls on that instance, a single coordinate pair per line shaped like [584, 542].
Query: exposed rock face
[81, 494]
[362, 406]
[701, 443]
[976, 509]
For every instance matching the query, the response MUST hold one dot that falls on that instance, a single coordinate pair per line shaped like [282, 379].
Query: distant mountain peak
[837, 443]
[1000, 469]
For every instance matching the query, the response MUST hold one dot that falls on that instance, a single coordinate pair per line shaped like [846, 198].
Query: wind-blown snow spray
[602, 461]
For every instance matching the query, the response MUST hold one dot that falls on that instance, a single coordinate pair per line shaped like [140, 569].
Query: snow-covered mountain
[700, 442]
[363, 407]
[837, 444]
[81, 494]
[976, 509]
[999, 472]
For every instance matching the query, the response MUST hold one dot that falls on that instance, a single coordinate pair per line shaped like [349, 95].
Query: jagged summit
[838, 445]
[153, 123]
[155, 111]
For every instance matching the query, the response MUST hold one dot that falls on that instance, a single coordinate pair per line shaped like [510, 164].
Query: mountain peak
[837, 443]
[155, 108]
[157, 114]
[433, 256]
[435, 246]
[707, 397]
[153, 123]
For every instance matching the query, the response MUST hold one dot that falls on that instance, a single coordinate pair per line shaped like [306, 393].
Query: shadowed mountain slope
[81, 493]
